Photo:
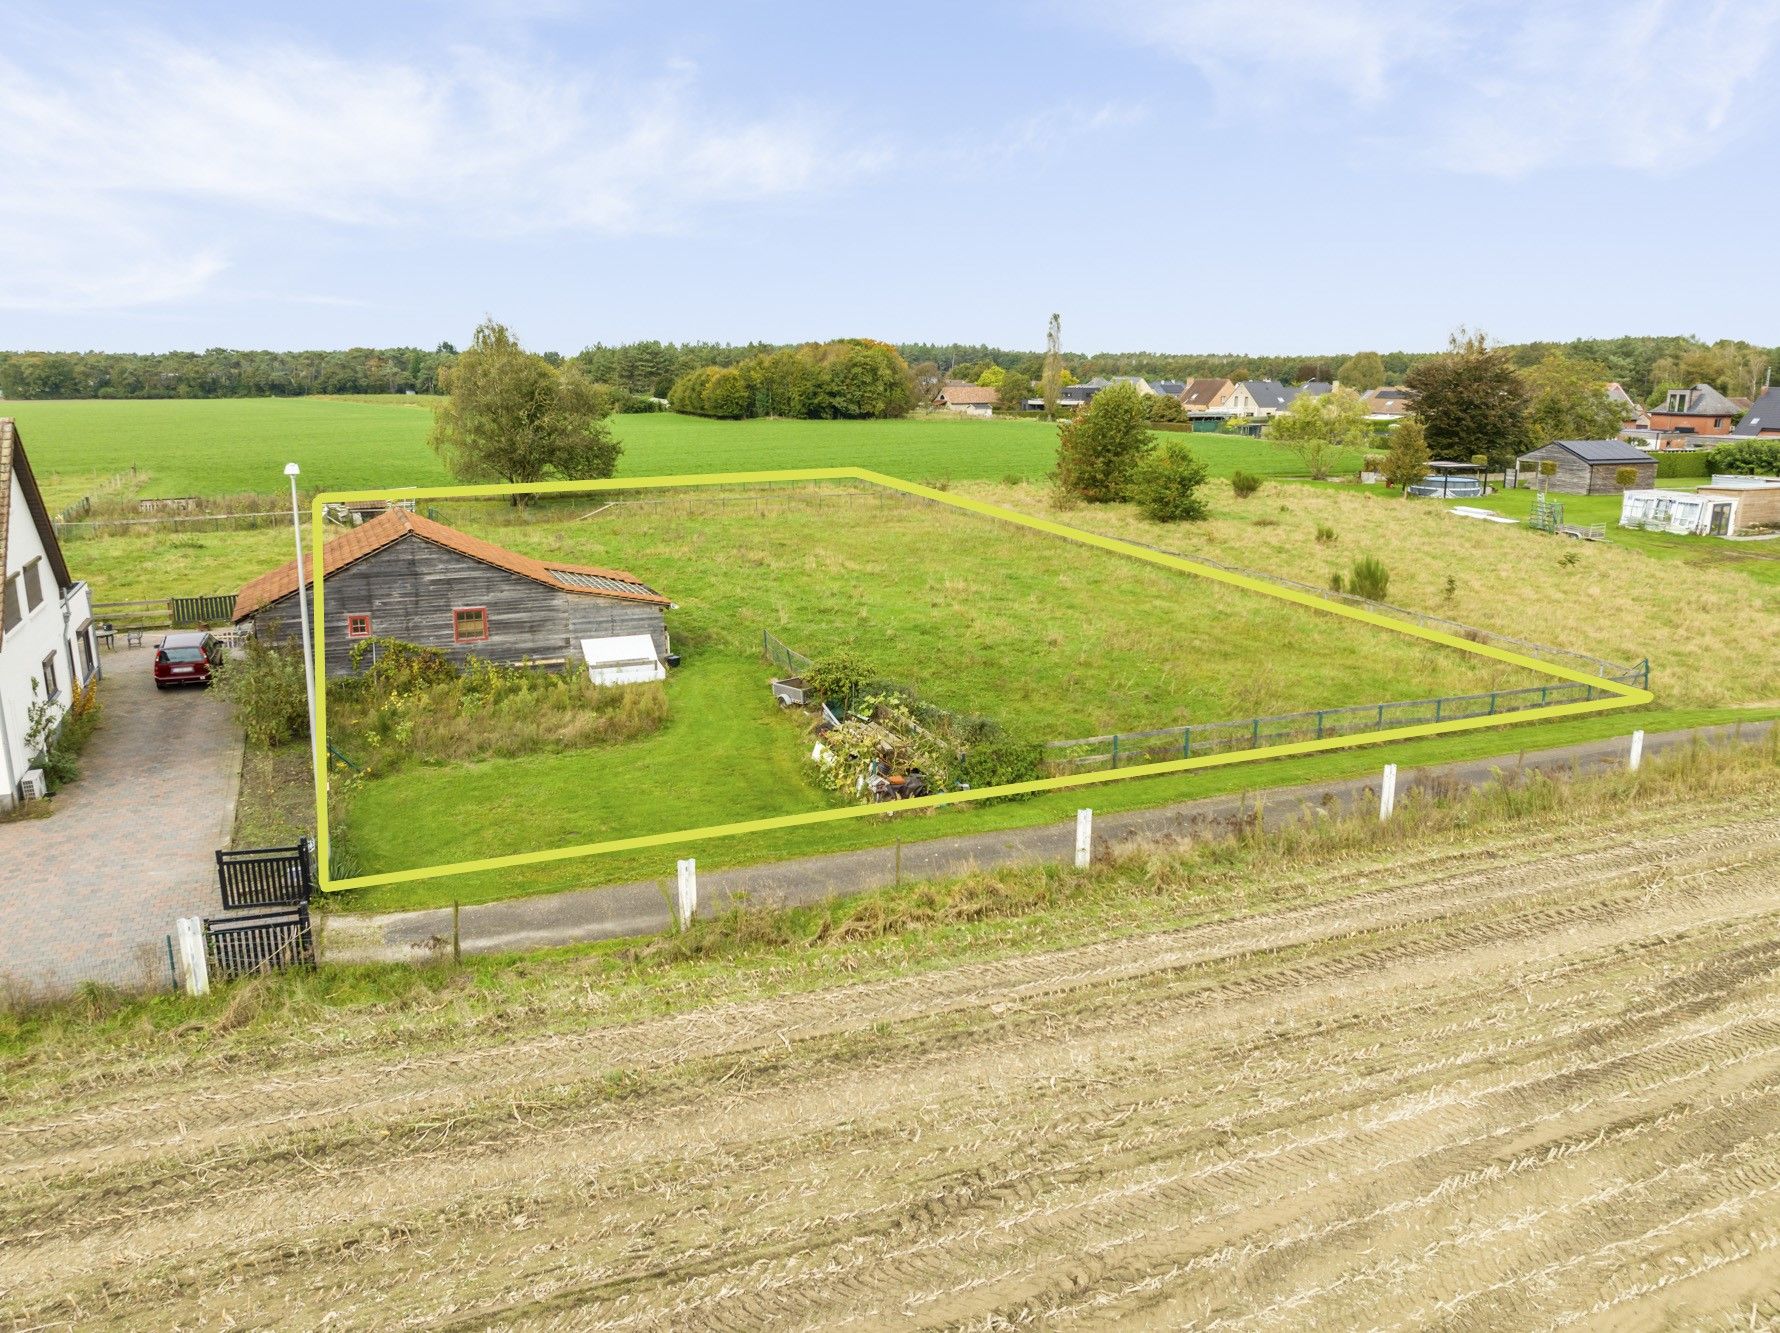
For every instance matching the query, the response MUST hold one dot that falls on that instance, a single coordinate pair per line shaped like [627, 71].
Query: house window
[15, 610]
[52, 688]
[469, 624]
[33, 585]
[358, 627]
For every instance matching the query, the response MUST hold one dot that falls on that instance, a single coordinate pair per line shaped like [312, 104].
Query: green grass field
[237, 446]
[947, 602]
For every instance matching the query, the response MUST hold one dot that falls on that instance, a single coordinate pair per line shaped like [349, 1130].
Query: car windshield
[183, 654]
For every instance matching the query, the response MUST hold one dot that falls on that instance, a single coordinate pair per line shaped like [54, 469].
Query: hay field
[1522, 1075]
[240, 445]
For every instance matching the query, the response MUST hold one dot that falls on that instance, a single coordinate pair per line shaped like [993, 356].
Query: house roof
[964, 395]
[392, 525]
[1316, 388]
[1604, 451]
[1268, 393]
[1201, 392]
[1763, 414]
[1704, 401]
[1173, 388]
[13, 463]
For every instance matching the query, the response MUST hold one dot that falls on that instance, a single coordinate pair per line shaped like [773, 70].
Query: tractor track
[1533, 1094]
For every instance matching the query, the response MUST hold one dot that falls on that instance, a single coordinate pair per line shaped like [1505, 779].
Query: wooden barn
[1588, 467]
[402, 576]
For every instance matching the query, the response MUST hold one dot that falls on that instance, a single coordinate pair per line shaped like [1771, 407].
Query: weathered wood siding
[1575, 477]
[411, 588]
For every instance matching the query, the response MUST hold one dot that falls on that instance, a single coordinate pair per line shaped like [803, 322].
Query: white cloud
[146, 130]
[1498, 87]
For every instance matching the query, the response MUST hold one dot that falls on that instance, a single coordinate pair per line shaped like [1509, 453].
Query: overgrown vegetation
[55, 736]
[266, 689]
[414, 704]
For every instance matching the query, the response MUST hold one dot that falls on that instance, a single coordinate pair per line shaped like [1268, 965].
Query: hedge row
[1679, 466]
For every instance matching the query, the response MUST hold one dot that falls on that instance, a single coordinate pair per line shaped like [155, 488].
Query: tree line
[1646, 366]
[852, 378]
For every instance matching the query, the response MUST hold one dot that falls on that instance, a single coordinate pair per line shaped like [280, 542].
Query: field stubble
[1523, 1082]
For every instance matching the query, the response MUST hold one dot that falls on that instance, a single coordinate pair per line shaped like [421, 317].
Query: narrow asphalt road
[641, 908]
[91, 892]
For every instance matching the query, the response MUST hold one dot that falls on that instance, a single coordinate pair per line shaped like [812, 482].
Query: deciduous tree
[1099, 448]
[1320, 429]
[1471, 400]
[1570, 402]
[1361, 371]
[512, 416]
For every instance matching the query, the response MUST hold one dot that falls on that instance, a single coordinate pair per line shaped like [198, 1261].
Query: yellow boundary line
[1618, 695]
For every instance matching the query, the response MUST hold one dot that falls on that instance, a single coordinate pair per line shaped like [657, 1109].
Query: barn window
[358, 627]
[469, 624]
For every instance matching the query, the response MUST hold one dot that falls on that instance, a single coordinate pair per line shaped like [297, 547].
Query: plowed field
[1530, 1089]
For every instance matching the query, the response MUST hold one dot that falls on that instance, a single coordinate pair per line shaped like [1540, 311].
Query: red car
[186, 658]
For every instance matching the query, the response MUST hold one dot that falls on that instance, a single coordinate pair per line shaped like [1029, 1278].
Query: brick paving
[91, 893]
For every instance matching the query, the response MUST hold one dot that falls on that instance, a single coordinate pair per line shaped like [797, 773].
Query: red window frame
[352, 625]
[457, 636]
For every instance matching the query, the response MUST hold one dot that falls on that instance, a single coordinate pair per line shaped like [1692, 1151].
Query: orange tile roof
[393, 524]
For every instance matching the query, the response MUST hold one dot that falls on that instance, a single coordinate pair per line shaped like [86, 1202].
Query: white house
[47, 648]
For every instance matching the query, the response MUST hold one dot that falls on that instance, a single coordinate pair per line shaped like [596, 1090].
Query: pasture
[230, 446]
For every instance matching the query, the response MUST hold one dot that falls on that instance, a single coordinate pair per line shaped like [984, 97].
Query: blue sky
[1176, 175]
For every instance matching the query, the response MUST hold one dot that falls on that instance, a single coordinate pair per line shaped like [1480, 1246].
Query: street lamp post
[296, 521]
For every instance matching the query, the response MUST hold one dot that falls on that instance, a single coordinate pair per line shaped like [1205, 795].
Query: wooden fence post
[686, 899]
[1387, 793]
[1636, 758]
[190, 930]
[1084, 838]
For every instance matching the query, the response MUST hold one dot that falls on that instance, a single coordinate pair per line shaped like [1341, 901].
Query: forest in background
[1644, 365]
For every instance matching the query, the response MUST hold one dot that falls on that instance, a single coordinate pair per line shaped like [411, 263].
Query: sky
[1256, 176]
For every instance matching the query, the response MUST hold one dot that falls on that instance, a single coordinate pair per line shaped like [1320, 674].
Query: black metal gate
[257, 942]
[265, 876]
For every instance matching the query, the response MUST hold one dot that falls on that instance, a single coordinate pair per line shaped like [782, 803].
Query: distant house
[1388, 403]
[1315, 388]
[971, 400]
[402, 576]
[1701, 410]
[1169, 388]
[1259, 398]
[47, 647]
[1589, 467]
[1763, 416]
[1728, 507]
[1205, 395]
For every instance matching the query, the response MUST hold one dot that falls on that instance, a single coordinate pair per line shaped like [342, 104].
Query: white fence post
[190, 933]
[1084, 838]
[1637, 756]
[686, 900]
[1387, 793]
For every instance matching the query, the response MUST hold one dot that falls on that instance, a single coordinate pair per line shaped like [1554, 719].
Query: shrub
[1163, 407]
[1324, 534]
[1098, 449]
[265, 687]
[1001, 760]
[1244, 484]
[1166, 484]
[1369, 579]
[1625, 476]
[1678, 466]
[838, 676]
[1755, 457]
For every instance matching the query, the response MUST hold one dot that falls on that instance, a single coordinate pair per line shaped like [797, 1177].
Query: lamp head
[291, 469]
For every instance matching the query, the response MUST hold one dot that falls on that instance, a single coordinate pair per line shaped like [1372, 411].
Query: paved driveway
[90, 894]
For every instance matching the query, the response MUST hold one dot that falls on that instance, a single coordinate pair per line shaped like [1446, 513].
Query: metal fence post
[686, 897]
[1387, 793]
[1084, 838]
[1636, 758]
